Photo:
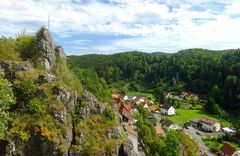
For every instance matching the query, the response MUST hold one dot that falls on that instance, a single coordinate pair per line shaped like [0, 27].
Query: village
[160, 115]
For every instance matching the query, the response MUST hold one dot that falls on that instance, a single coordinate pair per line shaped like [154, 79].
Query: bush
[109, 114]
[26, 45]
[28, 89]
[35, 106]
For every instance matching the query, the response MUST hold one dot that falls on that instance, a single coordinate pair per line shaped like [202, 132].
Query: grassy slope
[184, 115]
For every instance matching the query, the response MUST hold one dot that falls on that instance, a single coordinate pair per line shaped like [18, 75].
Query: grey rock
[81, 138]
[61, 116]
[46, 78]
[46, 49]
[93, 106]
[114, 133]
[60, 54]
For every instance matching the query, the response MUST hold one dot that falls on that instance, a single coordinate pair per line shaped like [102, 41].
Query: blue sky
[110, 26]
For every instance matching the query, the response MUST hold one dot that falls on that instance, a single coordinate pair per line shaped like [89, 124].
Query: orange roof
[130, 130]
[127, 114]
[208, 121]
[159, 130]
[153, 108]
[127, 106]
[228, 149]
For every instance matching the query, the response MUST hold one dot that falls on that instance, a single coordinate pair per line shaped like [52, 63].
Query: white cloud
[151, 24]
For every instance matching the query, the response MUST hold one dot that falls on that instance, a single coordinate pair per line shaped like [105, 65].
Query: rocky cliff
[50, 116]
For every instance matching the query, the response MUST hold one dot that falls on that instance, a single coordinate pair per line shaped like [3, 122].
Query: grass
[141, 94]
[184, 115]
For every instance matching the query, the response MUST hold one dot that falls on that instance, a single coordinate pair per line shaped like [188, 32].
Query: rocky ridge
[60, 102]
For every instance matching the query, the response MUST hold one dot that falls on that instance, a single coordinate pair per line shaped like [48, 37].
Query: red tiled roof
[208, 121]
[135, 100]
[130, 130]
[127, 114]
[159, 130]
[153, 108]
[228, 149]
[127, 106]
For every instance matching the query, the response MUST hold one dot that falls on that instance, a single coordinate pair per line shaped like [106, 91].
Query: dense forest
[206, 72]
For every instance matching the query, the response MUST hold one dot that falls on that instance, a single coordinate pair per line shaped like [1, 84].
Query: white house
[129, 98]
[210, 125]
[228, 130]
[168, 110]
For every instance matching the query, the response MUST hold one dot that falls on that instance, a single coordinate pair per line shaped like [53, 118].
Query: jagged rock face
[46, 78]
[48, 53]
[92, 105]
[11, 68]
[46, 49]
[65, 96]
[115, 133]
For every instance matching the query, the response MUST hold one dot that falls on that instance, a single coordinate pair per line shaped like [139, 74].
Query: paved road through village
[192, 132]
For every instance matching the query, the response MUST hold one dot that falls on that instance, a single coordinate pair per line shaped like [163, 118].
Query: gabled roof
[129, 129]
[165, 106]
[228, 149]
[127, 107]
[159, 130]
[153, 108]
[167, 122]
[196, 120]
[135, 100]
[208, 121]
[127, 114]
[152, 119]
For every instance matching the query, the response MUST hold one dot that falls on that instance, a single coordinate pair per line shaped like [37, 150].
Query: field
[184, 115]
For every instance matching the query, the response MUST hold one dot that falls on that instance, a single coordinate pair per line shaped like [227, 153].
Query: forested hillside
[209, 73]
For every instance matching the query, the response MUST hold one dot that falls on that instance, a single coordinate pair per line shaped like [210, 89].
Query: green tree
[7, 99]
[159, 95]
[172, 143]
[28, 89]
[212, 107]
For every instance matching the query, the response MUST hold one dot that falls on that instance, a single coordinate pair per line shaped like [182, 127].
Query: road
[192, 133]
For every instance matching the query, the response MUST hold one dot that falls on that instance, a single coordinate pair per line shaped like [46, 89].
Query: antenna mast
[48, 22]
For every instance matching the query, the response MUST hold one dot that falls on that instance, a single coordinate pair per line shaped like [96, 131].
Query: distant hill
[197, 70]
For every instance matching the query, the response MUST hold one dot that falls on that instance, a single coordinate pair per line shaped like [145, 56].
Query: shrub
[35, 106]
[109, 114]
[26, 45]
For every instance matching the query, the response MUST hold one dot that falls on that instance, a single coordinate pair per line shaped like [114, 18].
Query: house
[189, 95]
[209, 125]
[228, 130]
[194, 122]
[125, 111]
[153, 108]
[129, 98]
[142, 99]
[168, 110]
[144, 104]
[152, 119]
[183, 94]
[228, 150]
[159, 130]
[167, 123]
[167, 94]
[133, 136]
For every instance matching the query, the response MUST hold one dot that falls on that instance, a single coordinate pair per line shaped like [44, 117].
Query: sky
[110, 26]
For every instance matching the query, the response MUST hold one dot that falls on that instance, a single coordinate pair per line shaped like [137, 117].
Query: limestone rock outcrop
[48, 52]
